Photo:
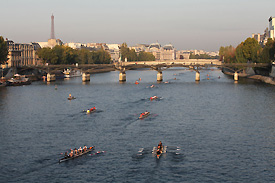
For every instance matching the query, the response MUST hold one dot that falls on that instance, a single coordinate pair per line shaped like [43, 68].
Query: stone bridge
[159, 66]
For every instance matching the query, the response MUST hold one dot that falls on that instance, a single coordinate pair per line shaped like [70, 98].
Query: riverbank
[265, 79]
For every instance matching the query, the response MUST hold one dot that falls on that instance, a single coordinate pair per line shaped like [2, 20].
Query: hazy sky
[193, 24]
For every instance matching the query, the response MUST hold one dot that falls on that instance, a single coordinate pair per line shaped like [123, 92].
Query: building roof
[155, 45]
[168, 47]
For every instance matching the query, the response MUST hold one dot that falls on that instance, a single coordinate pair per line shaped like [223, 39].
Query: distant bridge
[159, 66]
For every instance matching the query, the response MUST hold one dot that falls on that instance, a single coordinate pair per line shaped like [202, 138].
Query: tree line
[202, 56]
[3, 50]
[67, 55]
[248, 51]
[131, 54]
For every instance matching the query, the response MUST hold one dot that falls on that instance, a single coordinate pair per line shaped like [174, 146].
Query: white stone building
[271, 27]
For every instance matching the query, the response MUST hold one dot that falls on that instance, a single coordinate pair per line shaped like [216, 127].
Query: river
[224, 131]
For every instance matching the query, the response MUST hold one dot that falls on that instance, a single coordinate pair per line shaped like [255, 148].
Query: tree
[221, 53]
[239, 54]
[145, 56]
[47, 55]
[251, 50]
[132, 56]
[84, 56]
[70, 55]
[124, 50]
[229, 54]
[3, 50]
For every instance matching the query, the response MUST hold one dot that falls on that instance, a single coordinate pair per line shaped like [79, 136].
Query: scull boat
[142, 116]
[159, 152]
[71, 98]
[76, 156]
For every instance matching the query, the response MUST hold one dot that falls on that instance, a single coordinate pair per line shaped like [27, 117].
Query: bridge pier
[236, 76]
[122, 76]
[197, 76]
[85, 77]
[159, 76]
[51, 77]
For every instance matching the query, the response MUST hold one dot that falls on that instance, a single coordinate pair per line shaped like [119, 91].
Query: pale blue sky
[196, 24]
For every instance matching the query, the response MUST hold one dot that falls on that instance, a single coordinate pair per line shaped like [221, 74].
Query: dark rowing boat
[76, 156]
[71, 98]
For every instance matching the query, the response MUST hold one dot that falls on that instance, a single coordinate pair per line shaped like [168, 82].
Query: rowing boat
[159, 152]
[76, 156]
[144, 116]
[153, 98]
[89, 111]
[71, 98]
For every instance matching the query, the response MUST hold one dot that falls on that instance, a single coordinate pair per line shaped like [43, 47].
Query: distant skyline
[196, 24]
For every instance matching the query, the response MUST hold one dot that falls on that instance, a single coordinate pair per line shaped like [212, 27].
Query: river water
[215, 130]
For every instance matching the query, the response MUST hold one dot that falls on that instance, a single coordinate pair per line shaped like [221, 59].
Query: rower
[75, 151]
[66, 155]
[160, 144]
[71, 153]
[80, 150]
[85, 148]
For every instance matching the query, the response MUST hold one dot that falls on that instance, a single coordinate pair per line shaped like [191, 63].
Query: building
[155, 49]
[51, 43]
[98, 46]
[269, 32]
[261, 38]
[139, 47]
[114, 50]
[14, 54]
[74, 45]
[271, 27]
[167, 52]
[22, 54]
[182, 55]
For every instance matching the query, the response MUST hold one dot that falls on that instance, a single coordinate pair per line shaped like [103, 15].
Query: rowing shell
[144, 116]
[159, 153]
[69, 158]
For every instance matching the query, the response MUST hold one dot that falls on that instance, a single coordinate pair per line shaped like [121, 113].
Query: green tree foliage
[229, 54]
[85, 57]
[124, 51]
[221, 53]
[47, 55]
[131, 55]
[101, 57]
[239, 54]
[3, 50]
[145, 56]
[67, 55]
[201, 56]
[267, 54]
[251, 50]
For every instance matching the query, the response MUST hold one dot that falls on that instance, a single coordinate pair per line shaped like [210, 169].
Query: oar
[98, 152]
